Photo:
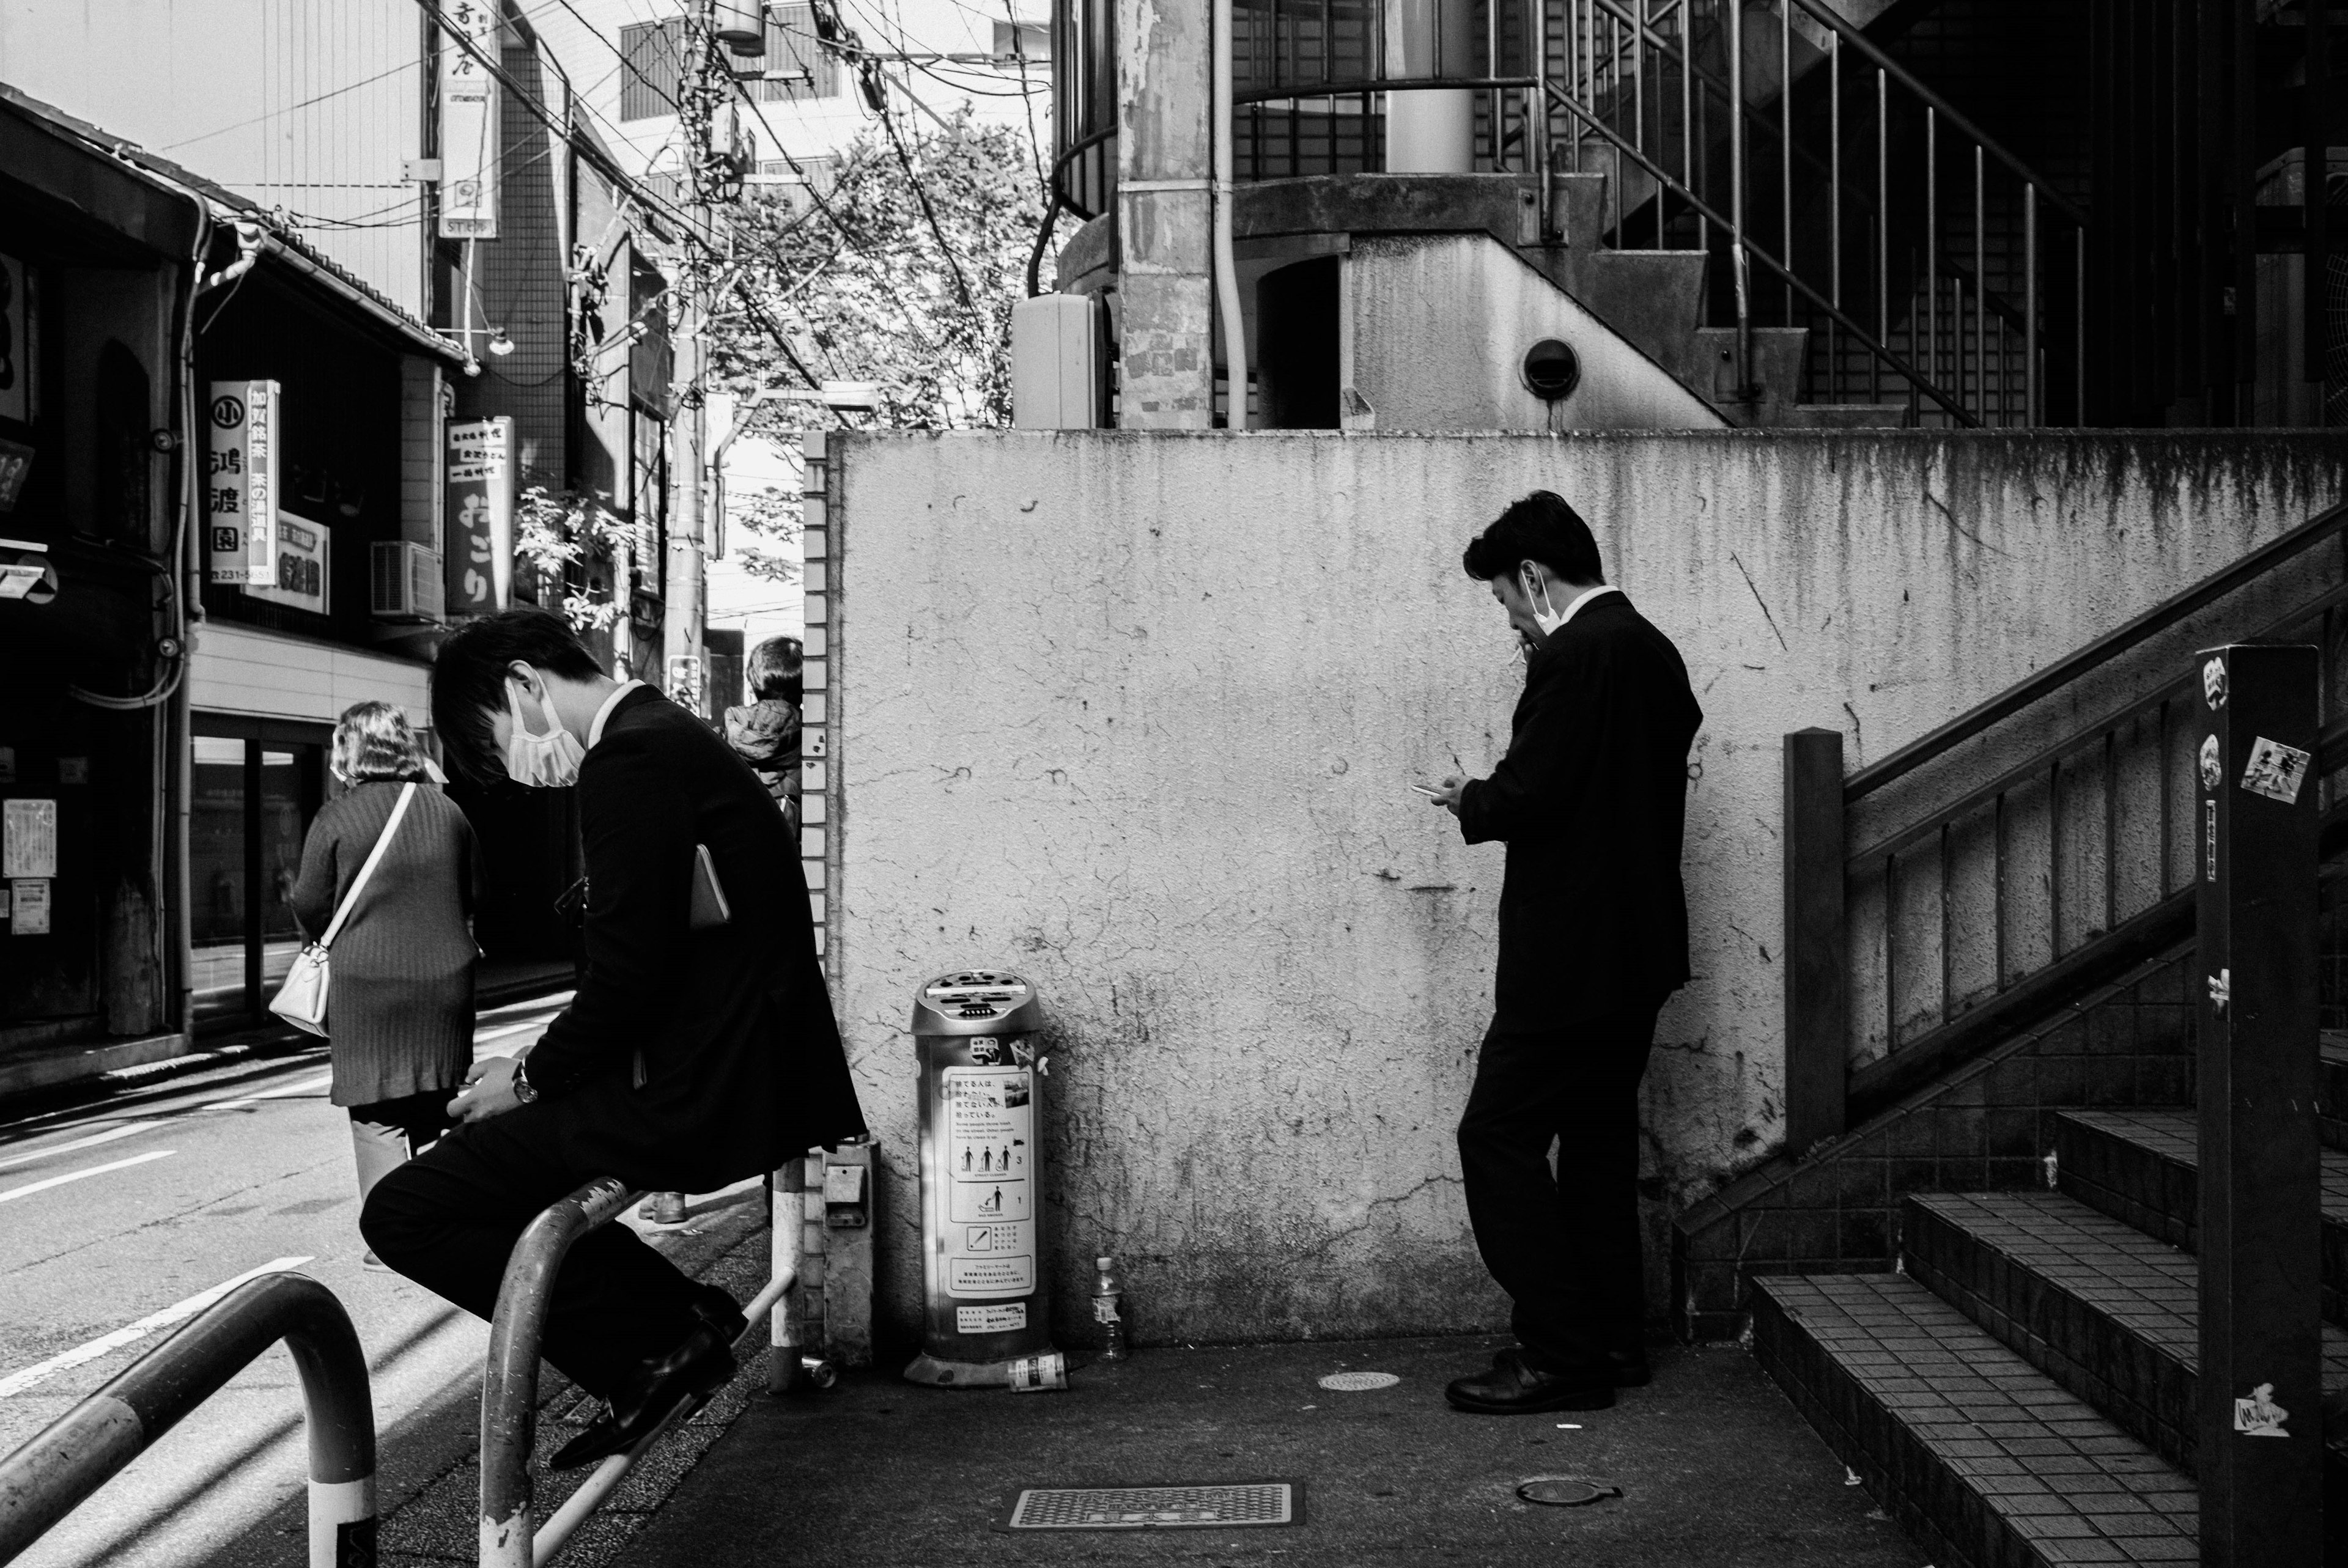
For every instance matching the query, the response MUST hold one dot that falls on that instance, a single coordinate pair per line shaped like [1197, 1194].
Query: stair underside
[1961, 1439]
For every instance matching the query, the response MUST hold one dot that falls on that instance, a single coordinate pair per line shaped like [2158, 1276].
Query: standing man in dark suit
[687, 1058]
[1590, 800]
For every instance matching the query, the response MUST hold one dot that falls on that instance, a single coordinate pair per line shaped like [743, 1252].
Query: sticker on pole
[2276, 771]
[2258, 1415]
[2213, 683]
[2213, 770]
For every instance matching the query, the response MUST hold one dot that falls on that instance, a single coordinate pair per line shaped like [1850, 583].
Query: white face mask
[549, 761]
[1546, 615]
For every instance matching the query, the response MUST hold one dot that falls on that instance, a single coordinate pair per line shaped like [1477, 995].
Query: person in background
[399, 1026]
[765, 734]
[1591, 801]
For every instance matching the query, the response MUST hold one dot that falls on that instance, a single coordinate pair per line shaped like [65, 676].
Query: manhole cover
[1567, 1491]
[1154, 1507]
[1358, 1382]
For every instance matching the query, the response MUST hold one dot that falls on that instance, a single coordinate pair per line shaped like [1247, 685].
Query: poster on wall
[305, 570]
[16, 346]
[469, 123]
[28, 838]
[241, 488]
[479, 506]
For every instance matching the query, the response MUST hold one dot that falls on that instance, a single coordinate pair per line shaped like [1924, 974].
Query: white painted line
[108, 1137]
[287, 1091]
[29, 1188]
[41, 1371]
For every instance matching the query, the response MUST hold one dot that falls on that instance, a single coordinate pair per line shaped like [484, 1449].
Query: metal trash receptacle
[976, 1036]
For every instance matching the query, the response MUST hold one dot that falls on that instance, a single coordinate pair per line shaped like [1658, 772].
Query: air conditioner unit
[406, 584]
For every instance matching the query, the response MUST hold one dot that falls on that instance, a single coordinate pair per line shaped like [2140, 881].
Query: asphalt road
[113, 1215]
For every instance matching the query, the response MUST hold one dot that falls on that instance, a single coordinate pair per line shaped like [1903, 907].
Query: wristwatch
[525, 1091]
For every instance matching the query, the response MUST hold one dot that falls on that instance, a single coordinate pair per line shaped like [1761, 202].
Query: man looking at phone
[1591, 801]
[693, 1054]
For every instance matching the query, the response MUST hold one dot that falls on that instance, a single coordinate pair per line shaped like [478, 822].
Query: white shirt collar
[1584, 596]
[595, 730]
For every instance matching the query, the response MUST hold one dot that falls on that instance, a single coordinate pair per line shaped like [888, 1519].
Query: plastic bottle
[1109, 1311]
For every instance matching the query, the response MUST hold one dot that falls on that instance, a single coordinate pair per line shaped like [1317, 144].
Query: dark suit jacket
[1591, 800]
[742, 1058]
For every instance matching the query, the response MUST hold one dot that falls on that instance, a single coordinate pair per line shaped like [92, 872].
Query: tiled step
[2108, 1312]
[2141, 1167]
[1980, 1455]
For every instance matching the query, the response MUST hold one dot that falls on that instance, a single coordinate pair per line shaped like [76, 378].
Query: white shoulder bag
[301, 1001]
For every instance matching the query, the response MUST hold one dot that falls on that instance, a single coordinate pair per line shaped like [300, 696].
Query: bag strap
[383, 843]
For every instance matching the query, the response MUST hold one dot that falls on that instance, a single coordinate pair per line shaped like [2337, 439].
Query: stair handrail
[58, 1470]
[510, 1536]
[2133, 633]
[1664, 177]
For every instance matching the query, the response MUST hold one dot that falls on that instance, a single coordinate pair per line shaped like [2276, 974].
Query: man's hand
[489, 1090]
[1447, 794]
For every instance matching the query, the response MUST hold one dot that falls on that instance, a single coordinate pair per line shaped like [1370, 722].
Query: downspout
[190, 546]
[1227, 277]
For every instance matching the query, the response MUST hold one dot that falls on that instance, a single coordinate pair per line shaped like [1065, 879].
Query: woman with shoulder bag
[399, 1015]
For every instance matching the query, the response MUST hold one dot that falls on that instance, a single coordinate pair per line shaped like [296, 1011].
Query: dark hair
[468, 678]
[1540, 528]
[777, 668]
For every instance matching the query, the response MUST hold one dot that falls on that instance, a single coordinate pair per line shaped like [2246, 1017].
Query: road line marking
[108, 1137]
[29, 1188]
[285, 1092]
[41, 1371]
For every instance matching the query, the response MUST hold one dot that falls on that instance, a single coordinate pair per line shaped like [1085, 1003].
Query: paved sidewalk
[1717, 1468]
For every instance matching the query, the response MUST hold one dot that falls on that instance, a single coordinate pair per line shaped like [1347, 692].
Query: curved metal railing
[511, 1535]
[50, 1476]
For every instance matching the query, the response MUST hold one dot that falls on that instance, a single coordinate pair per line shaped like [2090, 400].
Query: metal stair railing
[1615, 49]
[55, 1472]
[510, 1536]
[1984, 911]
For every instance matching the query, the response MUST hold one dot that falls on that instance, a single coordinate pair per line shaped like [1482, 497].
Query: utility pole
[714, 173]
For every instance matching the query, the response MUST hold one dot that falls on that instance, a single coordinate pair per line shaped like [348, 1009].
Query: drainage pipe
[1227, 277]
[44, 1481]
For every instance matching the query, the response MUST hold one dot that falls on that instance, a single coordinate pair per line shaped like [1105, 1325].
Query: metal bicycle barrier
[54, 1473]
[511, 1537]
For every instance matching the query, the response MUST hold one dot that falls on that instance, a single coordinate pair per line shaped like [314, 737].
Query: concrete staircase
[1658, 301]
[2023, 1390]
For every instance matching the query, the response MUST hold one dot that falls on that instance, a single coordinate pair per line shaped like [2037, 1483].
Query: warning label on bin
[1003, 1319]
[990, 1121]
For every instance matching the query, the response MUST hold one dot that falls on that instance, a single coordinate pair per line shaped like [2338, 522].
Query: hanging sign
[469, 123]
[240, 482]
[305, 575]
[479, 508]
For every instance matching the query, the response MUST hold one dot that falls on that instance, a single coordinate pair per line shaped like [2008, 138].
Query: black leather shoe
[1630, 1369]
[701, 1364]
[720, 1311]
[1512, 1388]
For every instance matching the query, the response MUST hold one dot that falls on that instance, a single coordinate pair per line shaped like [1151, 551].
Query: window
[798, 64]
[256, 790]
[652, 61]
[1029, 41]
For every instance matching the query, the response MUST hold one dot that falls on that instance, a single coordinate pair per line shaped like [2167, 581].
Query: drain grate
[1155, 1507]
[1358, 1382]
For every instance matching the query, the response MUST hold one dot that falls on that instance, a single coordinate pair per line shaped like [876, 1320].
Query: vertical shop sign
[305, 577]
[240, 482]
[480, 511]
[17, 350]
[469, 123]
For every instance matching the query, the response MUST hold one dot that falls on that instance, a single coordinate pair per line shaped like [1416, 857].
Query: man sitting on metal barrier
[700, 1048]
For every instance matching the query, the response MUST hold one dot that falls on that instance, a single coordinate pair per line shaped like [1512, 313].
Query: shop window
[256, 791]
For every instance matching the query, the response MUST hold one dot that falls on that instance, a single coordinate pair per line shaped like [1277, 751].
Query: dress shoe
[702, 1363]
[1511, 1387]
[714, 1307]
[1631, 1369]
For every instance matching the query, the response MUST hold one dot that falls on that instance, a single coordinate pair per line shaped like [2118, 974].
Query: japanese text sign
[240, 485]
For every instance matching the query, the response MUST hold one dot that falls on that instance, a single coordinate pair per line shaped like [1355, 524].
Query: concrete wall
[1438, 327]
[1136, 714]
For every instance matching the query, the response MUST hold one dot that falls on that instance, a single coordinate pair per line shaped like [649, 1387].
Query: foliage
[856, 282]
[566, 537]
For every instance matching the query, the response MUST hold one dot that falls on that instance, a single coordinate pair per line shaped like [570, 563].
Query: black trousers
[1565, 1246]
[448, 1220]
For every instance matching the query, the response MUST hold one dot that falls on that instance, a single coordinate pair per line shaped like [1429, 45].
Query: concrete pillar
[1165, 215]
[1432, 132]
